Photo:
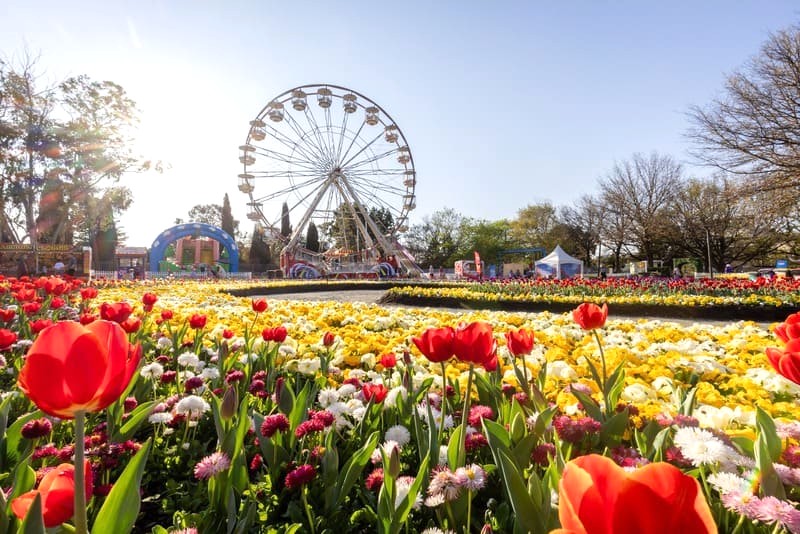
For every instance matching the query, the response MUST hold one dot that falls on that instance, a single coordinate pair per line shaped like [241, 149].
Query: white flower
[160, 418]
[327, 396]
[637, 393]
[368, 360]
[188, 359]
[398, 434]
[561, 369]
[210, 373]
[391, 397]
[164, 343]
[346, 390]
[729, 483]
[192, 405]
[153, 371]
[308, 366]
[700, 446]
[472, 477]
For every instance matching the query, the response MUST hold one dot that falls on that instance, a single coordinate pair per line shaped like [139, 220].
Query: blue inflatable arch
[170, 235]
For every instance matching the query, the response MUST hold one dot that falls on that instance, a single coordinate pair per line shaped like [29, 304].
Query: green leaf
[765, 427]
[767, 451]
[133, 422]
[405, 506]
[14, 435]
[527, 511]
[518, 427]
[454, 446]
[522, 451]
[353, 467]
[121, 507]
[496, 434]
[33, 522]
[612, 430]
[24, 479]
[591, 408]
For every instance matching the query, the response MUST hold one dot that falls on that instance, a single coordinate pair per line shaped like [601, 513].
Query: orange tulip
[72, 368]
[590, 316]
[596, 496]
[786, 361]
[57, 490]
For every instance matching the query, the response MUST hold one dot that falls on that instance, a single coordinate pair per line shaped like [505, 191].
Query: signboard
[782, 264]
[27, 247]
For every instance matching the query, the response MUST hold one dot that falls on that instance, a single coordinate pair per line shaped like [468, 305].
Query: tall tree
[753, 129]
[439, 240]
[206, 213]
[227, 223]
[582, 225]
[312, 237]
[259, 256]
[641, 189]
[286, 224]
[534, 226]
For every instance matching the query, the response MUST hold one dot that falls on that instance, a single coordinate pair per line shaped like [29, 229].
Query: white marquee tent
[558, 264]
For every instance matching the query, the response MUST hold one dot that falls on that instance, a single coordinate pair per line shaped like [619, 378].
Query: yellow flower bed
[661, 358]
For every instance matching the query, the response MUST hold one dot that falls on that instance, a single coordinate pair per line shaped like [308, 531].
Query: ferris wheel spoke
[361, 150]
[286, 174]
[291, 189]
[340, 157]
[289, 143]
[378, 199]
[374, 158]
[382, 171]
[329, 130]
[285, 158]
[312, 122]
[374, 187]
[303, 137]
[342, 133]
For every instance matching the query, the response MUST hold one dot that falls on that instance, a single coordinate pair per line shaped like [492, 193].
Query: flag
[478, 267]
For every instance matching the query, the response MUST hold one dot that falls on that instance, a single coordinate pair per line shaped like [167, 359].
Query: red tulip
[131, 324]
[166, 315]
[279, 334]
[116, 312]
[57, 490]
[87, 318]
[31, 307]
[227, 333]
[328, 339]
[519, 342]
[72, 368]
[40, 324]
[197, 321]
[7, 315]
[590, 316]
[789, 329]
[7, 338]
[786, 361]
[596, 496]
[436, 344]
[55, 286]
[375, 392]
[388, 360]
[259, 305]
[149, 299]
[88, 293]
[475, 343]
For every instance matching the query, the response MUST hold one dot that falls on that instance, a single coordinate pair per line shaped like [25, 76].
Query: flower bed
[256, 415]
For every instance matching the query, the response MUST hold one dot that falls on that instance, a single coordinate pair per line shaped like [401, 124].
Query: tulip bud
[328, 339]
[487, 529]
[230, 402]
[394, 462]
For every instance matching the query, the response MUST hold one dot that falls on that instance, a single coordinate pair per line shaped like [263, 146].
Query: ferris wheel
[326, 156]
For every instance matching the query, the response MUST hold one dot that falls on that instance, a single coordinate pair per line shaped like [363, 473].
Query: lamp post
[708, 250]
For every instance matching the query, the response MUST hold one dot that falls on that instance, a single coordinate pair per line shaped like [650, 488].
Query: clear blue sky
[503, 103]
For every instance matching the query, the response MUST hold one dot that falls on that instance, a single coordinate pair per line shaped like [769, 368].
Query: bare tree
[582, 223]
[713, 218]
[637, 193]
[753, 129]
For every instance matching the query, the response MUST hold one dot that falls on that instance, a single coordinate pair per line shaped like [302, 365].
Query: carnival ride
[330, 176]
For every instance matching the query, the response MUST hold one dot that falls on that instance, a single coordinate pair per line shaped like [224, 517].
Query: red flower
[375, 392]
[7, 315]
[789, 329]
[55, 286]
[301, 476]
[596, 496]
[227, 333]
[197, 321]
[31, 307]
[277, 422]
[590, 316]
[328, 339]
[56, 303]
[149, 299]
[166, 315]
[131, 324]
[88, 293]
[786, 361]
[436, 344]
[519, 342]
[475, 343]
[388, 360]
[25, 294]
[71, 368]
[116, 312]
[57, 491]
[37, 428]
[279, 334]
[7, 338]
[259, 305]
[40, 324]
[87, 318]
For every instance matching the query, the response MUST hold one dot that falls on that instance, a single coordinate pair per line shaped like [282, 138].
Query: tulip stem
[308, 510]
[444, 402]
[81, 523]
[462, 453]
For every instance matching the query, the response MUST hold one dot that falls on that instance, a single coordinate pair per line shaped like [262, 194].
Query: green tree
[259, 255]
[286, 224]
[439, 240]
[534, 226]
[312, 237]
[489, 238]
[227, 222]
